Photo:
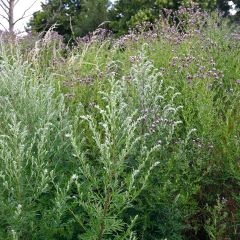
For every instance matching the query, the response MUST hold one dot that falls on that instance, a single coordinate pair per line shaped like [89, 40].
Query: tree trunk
[11, 15]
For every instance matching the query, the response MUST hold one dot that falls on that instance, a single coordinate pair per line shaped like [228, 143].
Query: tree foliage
[126, 14]
[73, 18]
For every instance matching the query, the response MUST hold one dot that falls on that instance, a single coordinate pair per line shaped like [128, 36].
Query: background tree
[95, 12]
[125, 13]
[8, 7]
[73, 18]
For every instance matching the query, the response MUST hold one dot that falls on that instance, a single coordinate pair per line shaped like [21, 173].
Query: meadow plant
[34, 123]
[114, 169]
[119, 139]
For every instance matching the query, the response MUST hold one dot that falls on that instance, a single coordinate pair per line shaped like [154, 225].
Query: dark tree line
[76, 18]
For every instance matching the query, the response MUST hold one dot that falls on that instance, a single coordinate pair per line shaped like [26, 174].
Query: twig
[1, 15]
[23, 16]
[3, 26]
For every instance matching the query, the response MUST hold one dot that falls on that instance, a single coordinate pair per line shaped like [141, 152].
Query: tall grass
[119, 139]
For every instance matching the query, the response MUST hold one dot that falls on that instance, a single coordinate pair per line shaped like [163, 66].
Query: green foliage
[72, 18]
[119, 139]
[33, 146]
[126, 14]
[216, 224]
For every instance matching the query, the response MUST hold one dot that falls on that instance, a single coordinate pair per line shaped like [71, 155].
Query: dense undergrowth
[130, 138]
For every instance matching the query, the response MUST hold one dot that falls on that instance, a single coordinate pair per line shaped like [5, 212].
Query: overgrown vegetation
[130, 138]
[77, 18]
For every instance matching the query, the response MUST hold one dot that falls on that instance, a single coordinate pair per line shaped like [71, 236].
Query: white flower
[135, 173]
[74, 177]
[68, 135]
[19, 206]
[19, 209]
